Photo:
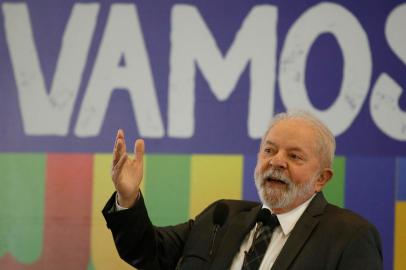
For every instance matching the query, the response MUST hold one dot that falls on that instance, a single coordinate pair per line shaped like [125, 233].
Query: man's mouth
[273, 180]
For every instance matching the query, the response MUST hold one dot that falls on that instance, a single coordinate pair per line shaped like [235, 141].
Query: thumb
[139, 150]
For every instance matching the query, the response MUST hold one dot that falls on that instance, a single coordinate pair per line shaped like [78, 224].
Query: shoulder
[335, 217]
[339, 223]
[348, 227]
[345, 218]
[357, 234]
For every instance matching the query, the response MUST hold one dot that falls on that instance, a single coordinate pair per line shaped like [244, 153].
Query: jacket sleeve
[141, 244]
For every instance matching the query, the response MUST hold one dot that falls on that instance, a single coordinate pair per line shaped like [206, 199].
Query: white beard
[281, 197]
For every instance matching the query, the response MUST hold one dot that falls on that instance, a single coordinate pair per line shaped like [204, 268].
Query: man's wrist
[120, 207]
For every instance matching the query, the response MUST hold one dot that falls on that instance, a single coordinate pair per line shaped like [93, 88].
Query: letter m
[194, 46]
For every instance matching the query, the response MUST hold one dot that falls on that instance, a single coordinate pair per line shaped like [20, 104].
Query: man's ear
[325, 175]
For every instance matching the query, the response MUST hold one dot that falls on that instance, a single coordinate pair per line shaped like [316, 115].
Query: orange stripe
[400, 236]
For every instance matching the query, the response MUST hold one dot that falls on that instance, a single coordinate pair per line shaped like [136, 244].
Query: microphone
[263, 216]
[220, 215]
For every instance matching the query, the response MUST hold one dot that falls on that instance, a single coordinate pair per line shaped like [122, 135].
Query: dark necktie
[262, 237]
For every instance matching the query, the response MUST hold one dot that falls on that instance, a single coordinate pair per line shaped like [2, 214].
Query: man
[294, 164]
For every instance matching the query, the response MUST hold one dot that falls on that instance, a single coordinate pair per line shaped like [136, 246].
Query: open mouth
[273, 180]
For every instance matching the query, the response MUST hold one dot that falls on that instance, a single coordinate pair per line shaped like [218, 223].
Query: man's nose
[278, 161]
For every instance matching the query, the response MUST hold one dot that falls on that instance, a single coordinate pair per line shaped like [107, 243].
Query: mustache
[276, 175]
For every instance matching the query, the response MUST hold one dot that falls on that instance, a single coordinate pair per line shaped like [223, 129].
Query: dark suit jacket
[325, 237]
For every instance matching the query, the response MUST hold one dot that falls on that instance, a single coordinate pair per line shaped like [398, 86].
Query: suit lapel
[234, 234]
[301, 232]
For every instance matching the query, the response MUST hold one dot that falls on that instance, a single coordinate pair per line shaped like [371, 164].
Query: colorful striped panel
[22, 199]
[370, 191]
[67, 215]
[63, 223]
[334, 190]
[167, 188]
[214, 177]
[103, 252]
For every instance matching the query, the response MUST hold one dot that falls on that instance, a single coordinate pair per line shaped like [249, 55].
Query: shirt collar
[289, 219]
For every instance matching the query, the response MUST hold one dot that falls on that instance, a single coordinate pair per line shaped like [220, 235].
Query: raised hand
[126, 172]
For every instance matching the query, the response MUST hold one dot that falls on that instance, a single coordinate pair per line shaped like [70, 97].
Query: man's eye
[294, 156]
[268, 150]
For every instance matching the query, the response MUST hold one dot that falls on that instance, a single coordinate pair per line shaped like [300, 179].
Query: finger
[119, 165]
[116, 154]
[119, 153]
[121, 147]
[139, 150]
[120, 134]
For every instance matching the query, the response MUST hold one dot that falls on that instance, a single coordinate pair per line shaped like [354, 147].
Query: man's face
[288, 170]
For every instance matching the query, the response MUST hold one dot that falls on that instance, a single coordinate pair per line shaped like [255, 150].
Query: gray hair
[326, 142]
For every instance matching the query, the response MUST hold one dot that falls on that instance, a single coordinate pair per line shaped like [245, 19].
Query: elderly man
[304, 231]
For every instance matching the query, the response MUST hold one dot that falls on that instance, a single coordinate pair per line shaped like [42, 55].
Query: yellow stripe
[214, 177]
[400, 236]
[103, 252]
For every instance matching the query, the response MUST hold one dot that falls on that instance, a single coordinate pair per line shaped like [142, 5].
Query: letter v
[43, 113]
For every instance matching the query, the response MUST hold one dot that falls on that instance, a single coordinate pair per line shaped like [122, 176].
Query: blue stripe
[370, 191]
[249, 189]
[401, 181]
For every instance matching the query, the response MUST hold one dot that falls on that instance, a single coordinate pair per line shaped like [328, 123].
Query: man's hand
[127, 173]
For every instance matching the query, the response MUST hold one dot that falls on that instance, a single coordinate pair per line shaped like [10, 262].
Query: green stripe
[90, 265]
[167, 188]
[334, 191]
[22, 205]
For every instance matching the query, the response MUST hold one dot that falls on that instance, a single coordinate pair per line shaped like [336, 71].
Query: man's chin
[272, 198]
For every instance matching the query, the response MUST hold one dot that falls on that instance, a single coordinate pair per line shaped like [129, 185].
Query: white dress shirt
[279, 236]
